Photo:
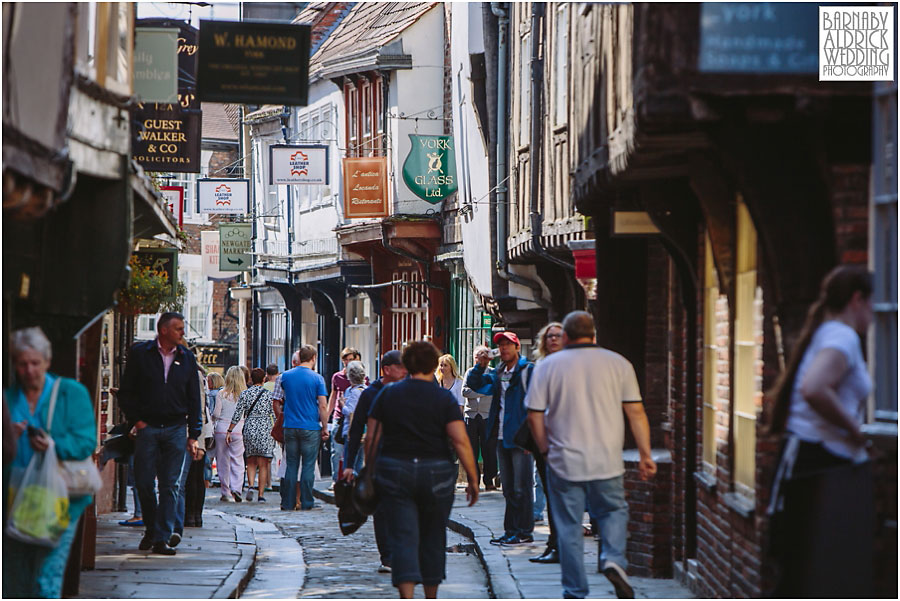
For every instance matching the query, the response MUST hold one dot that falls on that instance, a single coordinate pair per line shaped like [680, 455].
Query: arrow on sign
[233, 262]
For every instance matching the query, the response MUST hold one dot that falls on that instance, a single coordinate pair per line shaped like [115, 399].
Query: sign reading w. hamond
[253, 63]
[430, 168]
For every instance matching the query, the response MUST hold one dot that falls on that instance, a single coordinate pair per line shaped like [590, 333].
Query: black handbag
[365, 497]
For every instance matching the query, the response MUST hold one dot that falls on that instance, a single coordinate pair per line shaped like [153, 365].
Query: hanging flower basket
[147, 291]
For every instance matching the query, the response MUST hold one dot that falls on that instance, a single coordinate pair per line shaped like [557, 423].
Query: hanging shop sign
[166, 138]
[212, 356]
[365, 187]
[430, 168]
[633, 223]
[187, 59]
[209, 256]
[759, 37]
[174, 197]
[292, 164]
[156, 64]
[234, 246]
[254, 63]
[223, 196]
[161, 261]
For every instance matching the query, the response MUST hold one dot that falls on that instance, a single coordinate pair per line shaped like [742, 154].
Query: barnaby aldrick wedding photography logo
[856, 43]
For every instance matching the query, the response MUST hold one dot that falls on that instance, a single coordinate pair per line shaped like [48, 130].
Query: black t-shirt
[414, 415]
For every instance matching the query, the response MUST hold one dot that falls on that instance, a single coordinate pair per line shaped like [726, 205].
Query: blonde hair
[215, 380]
[235, 383]
[454, 370]
[541, 351]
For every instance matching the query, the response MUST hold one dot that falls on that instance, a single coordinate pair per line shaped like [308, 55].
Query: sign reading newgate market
[430, 168]
[298, 164]
[253, 63]
[156, 64]
[223, 196]
[757, 37]
[365, 187]
[234, 246]
[856, 43]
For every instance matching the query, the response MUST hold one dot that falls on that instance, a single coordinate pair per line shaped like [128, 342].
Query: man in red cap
[508, 383]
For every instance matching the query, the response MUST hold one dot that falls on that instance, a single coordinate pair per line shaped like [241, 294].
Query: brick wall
[655, 389]
[327, 21]
[850, 207]
[649, 525]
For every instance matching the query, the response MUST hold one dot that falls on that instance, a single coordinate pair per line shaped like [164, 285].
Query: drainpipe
[502, 15]
[535, 143]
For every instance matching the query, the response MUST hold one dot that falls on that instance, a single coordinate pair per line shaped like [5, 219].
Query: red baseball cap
[511, 336]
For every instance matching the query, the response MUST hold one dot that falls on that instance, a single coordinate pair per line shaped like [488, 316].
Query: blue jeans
[159, 454]
[299, 444]
[337, 451]
[540, 499]
[517, 479]
[606, 503]
[416, 498]
[182, 485]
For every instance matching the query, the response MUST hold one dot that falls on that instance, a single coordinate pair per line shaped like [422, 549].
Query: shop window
[276, 328]
[472, 325]
[883, 242]
[409, 309]
[747, 385]
[710, 361]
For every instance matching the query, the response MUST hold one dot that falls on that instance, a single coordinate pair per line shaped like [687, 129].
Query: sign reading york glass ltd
[365, 187]
[234, 246]
[156, 64]
[298, 164]
[223, 196]
[253, 63]
[430, 168]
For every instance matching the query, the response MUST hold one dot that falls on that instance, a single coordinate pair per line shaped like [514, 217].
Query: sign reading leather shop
[254, 63]
[223, 196]
[365, 187]
[294, 164]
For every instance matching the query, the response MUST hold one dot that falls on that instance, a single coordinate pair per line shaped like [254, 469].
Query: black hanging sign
[187, 59]
[166, 138]
[254, 63]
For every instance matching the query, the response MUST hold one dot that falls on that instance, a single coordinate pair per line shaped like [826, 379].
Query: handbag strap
[253, 406]
[53, 394]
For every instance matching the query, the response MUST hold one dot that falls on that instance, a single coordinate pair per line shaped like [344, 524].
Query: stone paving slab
[212, 562]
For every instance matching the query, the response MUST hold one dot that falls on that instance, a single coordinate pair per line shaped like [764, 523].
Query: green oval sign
[430, 168]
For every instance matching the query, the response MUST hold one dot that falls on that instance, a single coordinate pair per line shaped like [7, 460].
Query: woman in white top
[230, 449]
[447, 375]
[822, 498]
[356, 373]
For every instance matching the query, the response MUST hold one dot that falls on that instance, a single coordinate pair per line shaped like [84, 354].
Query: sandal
[132, 522]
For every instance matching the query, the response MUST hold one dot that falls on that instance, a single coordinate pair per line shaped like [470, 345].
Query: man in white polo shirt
[575, 404]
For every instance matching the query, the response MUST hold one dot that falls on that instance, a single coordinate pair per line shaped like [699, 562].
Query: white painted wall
[415, 92]
[471, 152]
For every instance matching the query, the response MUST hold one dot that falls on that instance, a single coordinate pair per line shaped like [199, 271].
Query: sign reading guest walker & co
[365, 187]
[430, 168]
[254, 63]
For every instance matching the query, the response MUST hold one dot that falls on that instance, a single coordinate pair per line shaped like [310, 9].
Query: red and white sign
[298, 164]
[223, 196]
[174, 197]
[209, 256]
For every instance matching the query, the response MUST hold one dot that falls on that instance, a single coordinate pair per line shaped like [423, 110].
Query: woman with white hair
[356, 373]
[230, 448]
[33, 570]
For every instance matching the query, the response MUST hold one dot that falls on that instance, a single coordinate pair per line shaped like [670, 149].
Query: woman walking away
[35, 571]
[215, 382]
[255, 406]
[448, 377]
[822, 500]
[356, 373]
[413, 472]
[230, 452]
[549, 341]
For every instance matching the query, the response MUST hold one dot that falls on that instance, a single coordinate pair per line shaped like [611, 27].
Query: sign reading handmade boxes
[223, 196]
[254, 63]
[234, 246]
[430, 168]
[292, 164]
[174, 197]
[156, 64]
[365, 187]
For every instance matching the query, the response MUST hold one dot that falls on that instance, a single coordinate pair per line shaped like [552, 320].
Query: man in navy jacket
[160, 397]
[508, 383]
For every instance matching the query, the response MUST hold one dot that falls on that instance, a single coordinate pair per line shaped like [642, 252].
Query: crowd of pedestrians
[550, 429]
